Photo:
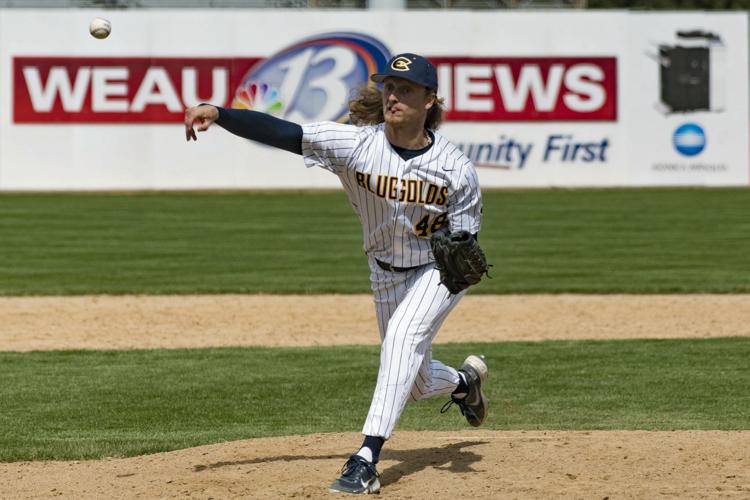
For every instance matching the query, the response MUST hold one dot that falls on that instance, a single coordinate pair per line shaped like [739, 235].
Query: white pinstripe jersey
[400, 203]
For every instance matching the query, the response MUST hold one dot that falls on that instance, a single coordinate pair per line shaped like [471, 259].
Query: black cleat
[358, 476]
[474, 405]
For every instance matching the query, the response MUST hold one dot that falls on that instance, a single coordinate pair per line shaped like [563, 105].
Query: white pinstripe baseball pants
[410, 306]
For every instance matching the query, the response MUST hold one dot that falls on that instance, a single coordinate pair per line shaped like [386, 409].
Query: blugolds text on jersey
[408, 190]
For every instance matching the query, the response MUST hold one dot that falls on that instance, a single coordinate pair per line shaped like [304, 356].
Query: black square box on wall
[686, 80]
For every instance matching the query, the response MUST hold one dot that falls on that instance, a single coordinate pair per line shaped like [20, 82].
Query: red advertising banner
[116, 90]
[528, 88]
[157, 89]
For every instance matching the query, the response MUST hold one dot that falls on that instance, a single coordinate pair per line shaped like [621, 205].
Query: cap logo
[401, 64]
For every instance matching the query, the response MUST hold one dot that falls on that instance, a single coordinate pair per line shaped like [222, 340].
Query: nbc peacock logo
[258, 97]
[312, 80]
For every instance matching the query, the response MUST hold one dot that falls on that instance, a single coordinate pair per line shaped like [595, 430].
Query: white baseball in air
[100, 28]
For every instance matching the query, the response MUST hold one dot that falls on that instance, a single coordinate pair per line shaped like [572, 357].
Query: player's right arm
[327, 145]
[249, 124]
[330, 145]
[202, 116]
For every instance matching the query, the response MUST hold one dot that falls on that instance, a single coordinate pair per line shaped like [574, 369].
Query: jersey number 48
[426, 227]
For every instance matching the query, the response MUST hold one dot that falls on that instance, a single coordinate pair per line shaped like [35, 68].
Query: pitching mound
[467, 464]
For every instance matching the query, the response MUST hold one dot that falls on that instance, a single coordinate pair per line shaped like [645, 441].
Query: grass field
[86, 404]
[552, 241]
[79, 404]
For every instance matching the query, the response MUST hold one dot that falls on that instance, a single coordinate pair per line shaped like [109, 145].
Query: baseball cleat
[358, 476]
[474, 405]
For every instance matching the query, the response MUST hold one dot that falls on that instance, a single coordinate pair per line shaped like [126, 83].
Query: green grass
[551, 241]
[88, 404]
[178, 243]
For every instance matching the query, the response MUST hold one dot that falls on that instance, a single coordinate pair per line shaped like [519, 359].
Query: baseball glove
[459, 259]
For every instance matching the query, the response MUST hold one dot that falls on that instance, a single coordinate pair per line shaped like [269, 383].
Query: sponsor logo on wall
[691, 85]
[508, 153]
[312, 80]
[306, 82]
[689, 141]
[528, 88]
[127, 89]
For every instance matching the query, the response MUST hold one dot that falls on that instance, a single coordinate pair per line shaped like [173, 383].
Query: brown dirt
[107, 322]
[468, 463]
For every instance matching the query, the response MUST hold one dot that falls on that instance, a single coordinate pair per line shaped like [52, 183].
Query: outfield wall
[536, 99]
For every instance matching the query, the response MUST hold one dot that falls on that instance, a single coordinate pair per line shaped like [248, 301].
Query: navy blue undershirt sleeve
[262, 127]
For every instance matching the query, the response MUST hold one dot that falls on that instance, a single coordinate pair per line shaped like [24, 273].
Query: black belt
[387, 267]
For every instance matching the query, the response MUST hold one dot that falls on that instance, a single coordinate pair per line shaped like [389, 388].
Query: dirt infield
[467, 463]
[106, 322]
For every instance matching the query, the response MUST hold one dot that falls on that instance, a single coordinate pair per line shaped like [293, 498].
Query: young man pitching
[418, 199]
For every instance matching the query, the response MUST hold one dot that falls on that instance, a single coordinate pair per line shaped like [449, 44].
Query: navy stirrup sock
[371, 447]
[462, 390]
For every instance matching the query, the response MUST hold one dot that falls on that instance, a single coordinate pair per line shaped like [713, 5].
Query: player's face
[404, 102]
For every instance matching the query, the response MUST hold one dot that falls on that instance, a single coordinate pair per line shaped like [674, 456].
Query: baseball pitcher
[418, 199]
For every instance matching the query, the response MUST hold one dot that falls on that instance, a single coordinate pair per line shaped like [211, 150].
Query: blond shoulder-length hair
[366, 108]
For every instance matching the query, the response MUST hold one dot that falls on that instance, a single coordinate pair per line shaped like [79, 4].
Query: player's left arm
[458, 256]
[465, 203]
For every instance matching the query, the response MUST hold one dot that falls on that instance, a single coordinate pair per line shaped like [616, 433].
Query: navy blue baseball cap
[411, 67]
